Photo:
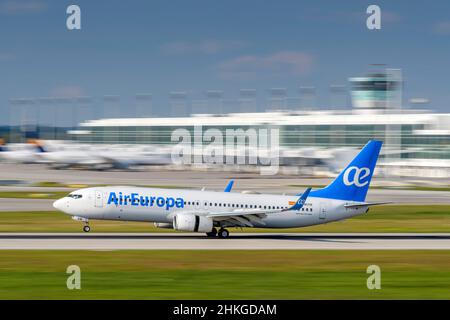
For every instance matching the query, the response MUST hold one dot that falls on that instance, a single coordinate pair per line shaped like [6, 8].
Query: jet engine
[190, 222]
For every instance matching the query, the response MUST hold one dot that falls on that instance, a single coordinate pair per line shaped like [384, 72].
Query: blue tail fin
[37, 144]
[353, 183]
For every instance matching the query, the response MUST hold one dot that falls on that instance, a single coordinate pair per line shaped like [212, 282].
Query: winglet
[229, 186]
[301, 201]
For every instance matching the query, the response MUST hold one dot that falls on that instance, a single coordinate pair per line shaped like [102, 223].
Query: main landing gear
[86, 228]
[213, 233]
[222, 233]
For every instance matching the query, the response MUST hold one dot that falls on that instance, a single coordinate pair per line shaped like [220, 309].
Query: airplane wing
[247, 217]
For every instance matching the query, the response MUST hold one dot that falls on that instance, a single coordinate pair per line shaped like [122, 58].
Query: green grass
[50, 184]
[447, 188]
[393, 218]
[225, 274]
[52, 221]
[33, 195]
[405, 187]
[60, 194]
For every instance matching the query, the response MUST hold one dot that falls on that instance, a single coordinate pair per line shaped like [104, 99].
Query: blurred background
[110, 95]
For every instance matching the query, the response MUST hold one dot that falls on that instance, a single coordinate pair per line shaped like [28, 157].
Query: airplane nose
[57, 204]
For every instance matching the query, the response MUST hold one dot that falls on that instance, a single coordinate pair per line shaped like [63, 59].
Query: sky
[130, 47]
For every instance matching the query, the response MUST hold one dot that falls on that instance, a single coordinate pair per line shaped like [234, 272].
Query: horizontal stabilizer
[365, 204]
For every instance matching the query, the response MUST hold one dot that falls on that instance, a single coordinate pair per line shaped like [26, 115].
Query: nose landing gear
[86, 227]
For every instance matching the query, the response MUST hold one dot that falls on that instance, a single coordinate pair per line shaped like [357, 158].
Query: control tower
[377, 91]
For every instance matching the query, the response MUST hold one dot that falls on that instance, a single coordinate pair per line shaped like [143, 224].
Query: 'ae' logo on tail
[360, 174]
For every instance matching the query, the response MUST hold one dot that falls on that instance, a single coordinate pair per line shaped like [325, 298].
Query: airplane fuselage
[203, 211]
[161, 205]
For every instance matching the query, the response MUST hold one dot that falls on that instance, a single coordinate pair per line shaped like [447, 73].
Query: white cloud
[11, 7]
[6, 56]
[69, 91]
[203, 47]
[278, 63]
[442, 27]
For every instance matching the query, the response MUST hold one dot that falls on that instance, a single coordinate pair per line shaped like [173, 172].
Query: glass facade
[413, 143]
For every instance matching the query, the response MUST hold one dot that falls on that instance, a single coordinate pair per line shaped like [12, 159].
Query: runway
[237, 241]
[12, 204]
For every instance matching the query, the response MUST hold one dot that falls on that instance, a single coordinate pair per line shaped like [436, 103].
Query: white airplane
[20, 153]
[119, 158]
[205, 211]
[100, 157]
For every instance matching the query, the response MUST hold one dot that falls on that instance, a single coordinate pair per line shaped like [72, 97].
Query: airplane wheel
[213, 233]
[223, 233]
[86, 228]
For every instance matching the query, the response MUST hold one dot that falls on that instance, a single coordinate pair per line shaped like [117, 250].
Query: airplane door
[98, 199]
[323, 211]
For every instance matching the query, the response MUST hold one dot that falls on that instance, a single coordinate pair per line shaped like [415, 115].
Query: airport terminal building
[412, 138]
[417, 142]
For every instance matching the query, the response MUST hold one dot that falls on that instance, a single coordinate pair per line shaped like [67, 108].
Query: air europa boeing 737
[207, 211]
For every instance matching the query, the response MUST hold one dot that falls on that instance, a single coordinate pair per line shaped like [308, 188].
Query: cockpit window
[75, 196]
